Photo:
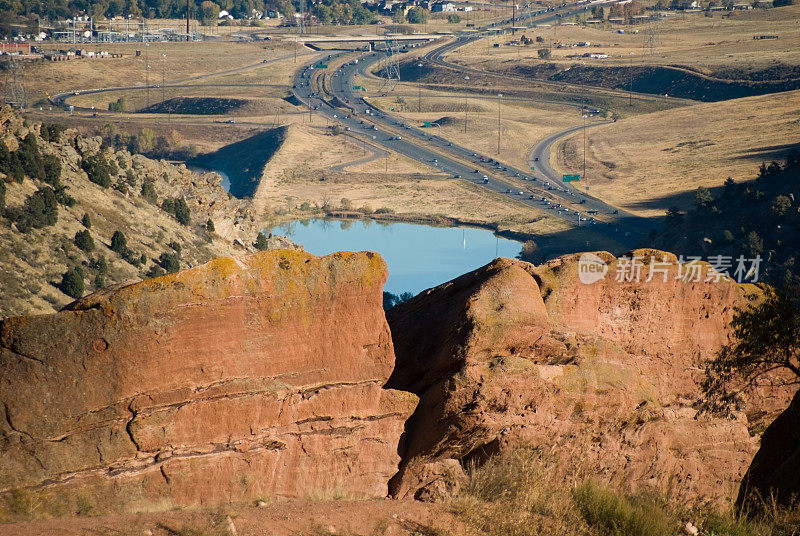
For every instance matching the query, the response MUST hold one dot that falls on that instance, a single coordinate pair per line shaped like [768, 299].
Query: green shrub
[40, 210]
[119, 244]
[10, 164]
[149, 190]
[52, 170]
[261, 243]
[118, 106]
[98, 170]
[210, 226]
[83, 240]
[178, 208]
[30, 157]
[72, 282]
[3, 196]
[99, 264]
[63, 197]
[86, 221]
[614, 514]
[52, 132]
[155, 271]
[169, 262]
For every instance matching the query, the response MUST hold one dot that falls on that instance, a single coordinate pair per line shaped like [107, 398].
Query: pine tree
[119, 244]
[72, 282]
[83, 240]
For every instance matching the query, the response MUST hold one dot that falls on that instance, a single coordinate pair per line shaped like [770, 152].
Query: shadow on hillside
[682, 200]
[243, 162]
[768, 153]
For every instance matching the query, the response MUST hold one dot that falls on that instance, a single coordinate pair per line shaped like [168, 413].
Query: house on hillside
[443, 7]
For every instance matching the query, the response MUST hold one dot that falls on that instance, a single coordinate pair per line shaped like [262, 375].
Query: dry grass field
[522, 123]
[693, 40]
[647, 163]
[183, 60]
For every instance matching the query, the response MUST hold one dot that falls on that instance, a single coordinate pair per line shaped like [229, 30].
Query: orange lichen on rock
[245, 377]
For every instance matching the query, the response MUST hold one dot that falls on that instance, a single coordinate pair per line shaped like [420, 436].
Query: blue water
[418, 256]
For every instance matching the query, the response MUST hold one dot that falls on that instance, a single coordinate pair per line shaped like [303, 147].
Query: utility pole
[465, 108]
[188, 15]
[584, 152]
[419, 87]
[513, 18]
[499, 96]
[147, 71]
[630, 81]
[163, 77]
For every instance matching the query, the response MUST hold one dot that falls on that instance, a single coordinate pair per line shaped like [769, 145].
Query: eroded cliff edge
[603, 377]
[245, 378]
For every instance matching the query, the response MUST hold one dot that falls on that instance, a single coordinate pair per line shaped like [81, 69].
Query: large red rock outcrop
[604, 375]
[243, 378]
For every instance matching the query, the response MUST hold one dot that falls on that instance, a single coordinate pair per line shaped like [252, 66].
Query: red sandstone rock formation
[239, 379]
[603, 375]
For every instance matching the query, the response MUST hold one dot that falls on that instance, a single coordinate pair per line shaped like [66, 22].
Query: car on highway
[508, 190]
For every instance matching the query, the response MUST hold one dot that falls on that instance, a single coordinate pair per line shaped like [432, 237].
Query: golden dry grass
[642, 163]
[182, 60]
[522, 123]
[692, 39]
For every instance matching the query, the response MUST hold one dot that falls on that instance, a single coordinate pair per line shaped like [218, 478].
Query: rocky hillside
[603, 376]
[244, 379]
[64, 197]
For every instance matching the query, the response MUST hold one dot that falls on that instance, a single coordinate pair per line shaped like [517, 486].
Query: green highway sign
[532, 168]
[426, 124]
[356, 87]
[322, 66]
[571, 178]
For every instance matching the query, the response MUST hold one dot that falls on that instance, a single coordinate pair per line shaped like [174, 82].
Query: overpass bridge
[371, 40]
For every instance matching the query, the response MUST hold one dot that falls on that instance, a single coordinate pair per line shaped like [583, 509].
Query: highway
[61, 98]
[541, 188]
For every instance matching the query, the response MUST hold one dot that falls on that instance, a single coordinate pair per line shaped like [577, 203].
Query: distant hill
[71, 204]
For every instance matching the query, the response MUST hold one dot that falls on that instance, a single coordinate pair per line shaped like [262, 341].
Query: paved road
[61, 98]
[541, 188]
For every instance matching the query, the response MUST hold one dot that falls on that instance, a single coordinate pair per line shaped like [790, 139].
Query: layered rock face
[243, 378]
[604, 376]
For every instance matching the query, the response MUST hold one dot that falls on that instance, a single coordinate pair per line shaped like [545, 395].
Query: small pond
[418, 256]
